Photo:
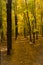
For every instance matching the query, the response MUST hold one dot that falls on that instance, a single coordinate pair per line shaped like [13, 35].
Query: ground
[23, 53]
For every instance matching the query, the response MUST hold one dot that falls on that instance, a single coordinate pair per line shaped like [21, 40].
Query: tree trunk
[1, 36]
[42, 22]
[9, 27]
[16, 27]
[29, 28]
[33, 37]
[24, 18]
[24, 32]
[42, 30]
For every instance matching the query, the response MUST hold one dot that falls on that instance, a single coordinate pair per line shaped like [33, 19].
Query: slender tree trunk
[24, 32]
[16, 20]
[24, 18]
[36, 27]
[16, 26]
[42, 22]
[28, 20]
[35, 22]
[9, 27]
[0, 14]
[1, 36]
[33, 37]
[29, 28]
[42, 30]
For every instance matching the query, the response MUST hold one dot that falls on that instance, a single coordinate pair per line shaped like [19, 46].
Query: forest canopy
[34, 9]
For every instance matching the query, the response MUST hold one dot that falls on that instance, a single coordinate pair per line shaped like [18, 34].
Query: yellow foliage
[20, 17]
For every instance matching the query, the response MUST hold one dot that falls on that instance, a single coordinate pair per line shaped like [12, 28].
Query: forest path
[24, 53]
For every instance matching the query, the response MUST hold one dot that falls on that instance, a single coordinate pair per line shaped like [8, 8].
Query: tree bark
[1, 27]
[16, 27]
[29, 28]
[9, 27]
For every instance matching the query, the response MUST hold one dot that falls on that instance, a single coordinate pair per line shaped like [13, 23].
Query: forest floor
[23, 52]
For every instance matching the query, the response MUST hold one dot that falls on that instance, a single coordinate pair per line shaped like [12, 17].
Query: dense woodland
[21, 17]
